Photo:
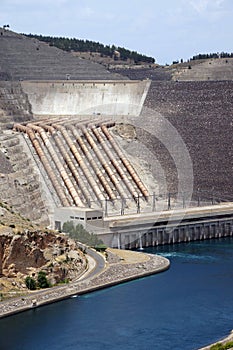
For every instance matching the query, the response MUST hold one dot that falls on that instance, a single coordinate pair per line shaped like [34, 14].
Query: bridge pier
[184, 232]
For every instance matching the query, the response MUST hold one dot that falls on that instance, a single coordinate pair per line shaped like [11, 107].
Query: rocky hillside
[95, 51]
[214, 69]
[23, 58]
[157, 73]
[26, 249]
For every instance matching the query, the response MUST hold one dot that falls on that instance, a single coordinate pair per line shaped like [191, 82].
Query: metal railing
[158, 203]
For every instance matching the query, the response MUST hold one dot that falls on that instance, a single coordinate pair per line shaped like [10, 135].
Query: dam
[63, 153]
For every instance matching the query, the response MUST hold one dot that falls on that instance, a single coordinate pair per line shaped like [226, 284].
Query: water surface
[184, 308]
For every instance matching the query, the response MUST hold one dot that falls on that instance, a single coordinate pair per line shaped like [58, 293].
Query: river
[184, 308]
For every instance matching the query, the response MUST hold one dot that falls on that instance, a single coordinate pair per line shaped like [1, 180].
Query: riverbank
[224, 341]
[121, 266]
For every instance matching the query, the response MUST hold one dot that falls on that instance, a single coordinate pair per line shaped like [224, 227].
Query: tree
[78, 45]
[79, 233]
[68, 227]
[42, 280]
[30, 283]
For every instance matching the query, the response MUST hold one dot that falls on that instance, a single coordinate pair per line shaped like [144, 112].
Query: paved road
[100, 263]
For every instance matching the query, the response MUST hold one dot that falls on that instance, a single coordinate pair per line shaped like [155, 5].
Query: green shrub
[228, 345]
[42, 280]
[220, 346]
[30, 283]
[100, 247]
[217, 346]
[65, 281]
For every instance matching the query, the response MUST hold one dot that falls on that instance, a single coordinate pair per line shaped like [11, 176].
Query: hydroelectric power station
[64, 155]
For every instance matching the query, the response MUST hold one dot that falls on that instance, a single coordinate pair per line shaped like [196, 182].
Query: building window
[58, 225]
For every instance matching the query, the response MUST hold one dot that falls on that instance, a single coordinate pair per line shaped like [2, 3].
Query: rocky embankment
[120, 266]
[24, 251]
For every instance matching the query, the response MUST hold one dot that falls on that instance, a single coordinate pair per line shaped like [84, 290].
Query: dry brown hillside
[26, 249]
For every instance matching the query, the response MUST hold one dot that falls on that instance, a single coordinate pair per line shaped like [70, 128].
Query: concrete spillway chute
[70, 98]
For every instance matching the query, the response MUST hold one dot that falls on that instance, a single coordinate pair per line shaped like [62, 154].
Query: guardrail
[161, 202]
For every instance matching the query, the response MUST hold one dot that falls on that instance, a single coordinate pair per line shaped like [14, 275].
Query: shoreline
[221, 341]
[125, 266]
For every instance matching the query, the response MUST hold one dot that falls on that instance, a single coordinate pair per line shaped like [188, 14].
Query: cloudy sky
[164, 29]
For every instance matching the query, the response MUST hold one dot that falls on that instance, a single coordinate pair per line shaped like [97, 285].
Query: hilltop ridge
[98, 52]
[23, 58]
[211, 69]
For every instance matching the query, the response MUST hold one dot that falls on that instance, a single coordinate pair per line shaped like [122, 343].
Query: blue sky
[165, 29]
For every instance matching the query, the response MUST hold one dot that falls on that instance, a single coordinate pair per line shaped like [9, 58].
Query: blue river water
[184, 308]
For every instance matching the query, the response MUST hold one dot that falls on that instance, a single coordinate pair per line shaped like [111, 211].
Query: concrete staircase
[13, 103]
[19, 183]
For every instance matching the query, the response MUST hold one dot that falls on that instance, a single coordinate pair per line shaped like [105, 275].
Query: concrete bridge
[168, 227]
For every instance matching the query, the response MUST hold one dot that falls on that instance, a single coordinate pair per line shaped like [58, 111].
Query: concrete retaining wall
[86, 98]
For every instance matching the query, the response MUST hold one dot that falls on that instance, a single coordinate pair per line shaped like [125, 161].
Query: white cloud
[87, 12]
[211, 11]
[199, 5]
[204, 6]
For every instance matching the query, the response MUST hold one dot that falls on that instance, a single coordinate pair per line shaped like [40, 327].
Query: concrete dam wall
[86, 98]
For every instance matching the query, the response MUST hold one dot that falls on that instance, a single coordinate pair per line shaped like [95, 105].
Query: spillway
[70, 98]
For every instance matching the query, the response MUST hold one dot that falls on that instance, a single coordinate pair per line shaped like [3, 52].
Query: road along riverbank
[120, 266]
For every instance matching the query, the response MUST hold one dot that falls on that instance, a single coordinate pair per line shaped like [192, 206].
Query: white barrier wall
[86, 97]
